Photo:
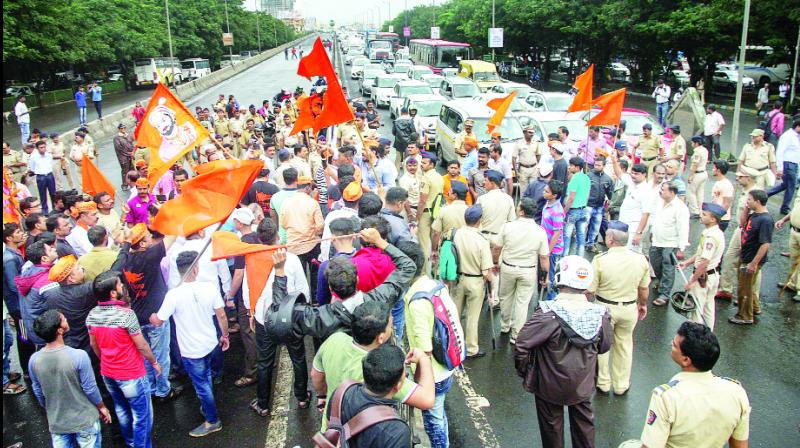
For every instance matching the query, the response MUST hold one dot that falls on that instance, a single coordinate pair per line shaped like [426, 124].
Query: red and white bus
[438, 54]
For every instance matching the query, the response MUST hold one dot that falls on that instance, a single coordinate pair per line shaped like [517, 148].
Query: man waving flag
[331, 108]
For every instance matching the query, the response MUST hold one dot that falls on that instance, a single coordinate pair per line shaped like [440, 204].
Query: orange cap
[138, 232]
[352, 192]
[304, 180]
[471, 141]
[62, 268]
[142, 182]
[141, 163]
[85, 207]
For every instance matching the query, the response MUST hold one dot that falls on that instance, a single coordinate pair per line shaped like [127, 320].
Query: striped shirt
[552, 221]
[113, 327]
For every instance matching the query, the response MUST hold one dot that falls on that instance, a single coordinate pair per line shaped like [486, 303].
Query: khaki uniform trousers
[424, 237]
[618, 374]
[695, 192]
[525, 176]
[762, 180]
[749, 302]
[650, 164]
[730, 266]
[794, 256]
[705, 313]
[517, 286]
[469, 297]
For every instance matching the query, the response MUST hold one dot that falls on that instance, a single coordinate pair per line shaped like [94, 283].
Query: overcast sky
[349, 11]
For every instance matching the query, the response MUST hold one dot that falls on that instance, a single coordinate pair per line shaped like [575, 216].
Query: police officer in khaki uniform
[704, 282]
[677, 147]
[452, 215]
[793, 283]
[498, 209]
[221, 127]
[697, 409]
[651, 148]
[458, 145]
[14, 161]
[730, 265]
[696, 188]
[621, 283]
[525, 250]
[474, 269]
[430, 192]
[525, 157]
[759, 155]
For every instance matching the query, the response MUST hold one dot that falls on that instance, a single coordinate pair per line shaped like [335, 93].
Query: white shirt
[571, 149]
[502, 165]
[712, 122]
[21, 112]
[763, 95]
[192, 306]
[210, 271]
[670, 224]
[325, 246]
[78, 238]
[788, 148]
[638, 201]
[662, 94]
[40, 164]
[295, 282]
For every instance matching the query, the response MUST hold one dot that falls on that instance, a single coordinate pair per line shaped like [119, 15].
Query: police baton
[487, 288]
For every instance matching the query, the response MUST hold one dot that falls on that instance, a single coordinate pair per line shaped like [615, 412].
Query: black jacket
[402, 130]
[602, 187]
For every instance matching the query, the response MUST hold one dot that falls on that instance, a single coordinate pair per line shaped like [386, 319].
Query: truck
[379, 50]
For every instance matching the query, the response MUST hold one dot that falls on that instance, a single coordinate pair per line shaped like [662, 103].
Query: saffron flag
[207, 198]
[500, 106]
[611, 108]
[583, 83]
[93, 180]
[257, 259]
[333, 108]
[169, 130]
[305, 113]
[10, 202]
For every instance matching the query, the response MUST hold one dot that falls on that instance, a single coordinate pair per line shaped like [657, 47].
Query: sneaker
[203, 430]
[512, 341]
[174, 392]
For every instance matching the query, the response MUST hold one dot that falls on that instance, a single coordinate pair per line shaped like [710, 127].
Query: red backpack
[449, 347]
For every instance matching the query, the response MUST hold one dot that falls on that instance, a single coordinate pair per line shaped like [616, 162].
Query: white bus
[228, 60]
[146, 71]
[194, 68]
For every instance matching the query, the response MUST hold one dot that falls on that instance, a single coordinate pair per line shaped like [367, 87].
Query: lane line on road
[474, 403]
[278, 423]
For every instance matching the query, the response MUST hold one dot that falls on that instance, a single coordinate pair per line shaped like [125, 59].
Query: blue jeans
[662, 109]
[158, 338]
[399, 318]
[435, 419]
[24, 132]
[45, 183]
[595, 219]
[8, 341]
[134, 409]
[81, 115]
[199, 370]
[577, 220]
[89, 437]
[551, 291]
[98, 107]
[787, 185]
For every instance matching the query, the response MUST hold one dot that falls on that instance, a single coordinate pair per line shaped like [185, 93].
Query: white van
[451, 122]
[194, 68]
[228, 60]
[147, 71]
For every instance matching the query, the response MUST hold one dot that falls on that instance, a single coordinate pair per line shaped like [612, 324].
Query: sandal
[244, 381]
[659, 302]
[262, 412]
[305, 403]
[321, 402]
[14, 389]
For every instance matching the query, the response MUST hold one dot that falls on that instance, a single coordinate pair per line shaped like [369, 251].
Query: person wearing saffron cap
[461, 138]
[139, 204]
[470, 161]
[78, 238]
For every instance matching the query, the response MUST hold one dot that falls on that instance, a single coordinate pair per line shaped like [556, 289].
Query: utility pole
[737, 105]
[406, 25]
[169, 40]
[794, 72]
[493, 27]
[228, 25]
[433, 8]
[258, 27]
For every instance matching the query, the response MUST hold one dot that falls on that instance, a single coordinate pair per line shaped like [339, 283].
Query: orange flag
[10, 203]
[257, 259]
[93, 180]
[169, 130]
[500, 106]
[305, 116]
[583, 83]
[207, 198]
[611, 104]
[334, 108]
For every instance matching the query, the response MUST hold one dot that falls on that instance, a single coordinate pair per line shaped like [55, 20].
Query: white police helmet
[574, 272]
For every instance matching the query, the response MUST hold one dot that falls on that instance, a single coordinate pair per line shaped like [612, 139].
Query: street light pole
[169, 40]
[737, 106]
[258, 27]
[493, 27]
[228, 25]
[794, 72]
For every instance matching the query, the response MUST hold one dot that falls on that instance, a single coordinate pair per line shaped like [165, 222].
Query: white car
[352, 53]
[417, 71]
[727, 79]
[545, 123]
[681, 77]
[435, 81]
[538, 101]
[402, 66]
[459, 87]
[403, 89]
[505, 88]
[368, 80]
[383, 88]
[451, 122]
[517, 105]
[428, 107]
[358, 67]
[619, 72]
[449, 72]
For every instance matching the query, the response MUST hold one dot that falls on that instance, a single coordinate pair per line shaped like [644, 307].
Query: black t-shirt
[146, 283]
[560, 168]
[260, 193]
[387, 434]
[757, 232]
[251, 238]
[74, 302]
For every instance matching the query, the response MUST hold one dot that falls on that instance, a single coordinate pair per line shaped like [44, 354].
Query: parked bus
[228, 60]
[438, 54]
[194, 68]
[146, 71]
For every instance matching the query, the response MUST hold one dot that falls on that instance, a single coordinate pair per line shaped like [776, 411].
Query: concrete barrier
[107, 127]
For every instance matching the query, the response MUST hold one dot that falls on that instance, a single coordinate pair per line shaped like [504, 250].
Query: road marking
[276, 430]
[474, 403]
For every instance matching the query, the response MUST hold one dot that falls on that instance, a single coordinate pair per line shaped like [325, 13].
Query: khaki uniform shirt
[432, 185]
[236, 125]
[650, 146]
[451, 217]
[302, 167]
[57, 150]
[221, 127]
[15, 157]
[758, 157]
[458, 145]
[474, 253]
[111, 221]
[711, 247]
[699, 159]
[697, 410]
[79, 151]
[523, 242]
[741, 203]
[143, 154]
[619, 273]
[526, 153]
[291, 111]
[347, 133]
[498, 209]
[677, 148]
[794, 218]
